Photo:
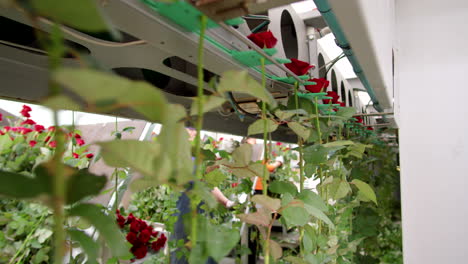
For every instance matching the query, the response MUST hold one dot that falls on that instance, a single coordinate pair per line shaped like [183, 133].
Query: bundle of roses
[33, 142]
[142, 236]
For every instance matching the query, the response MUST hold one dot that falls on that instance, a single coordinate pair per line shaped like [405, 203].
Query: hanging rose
[359, 119]
[335, 98]
[90, 155]
[28, 122]
[370, 128]
[321, 85]
[25, 111]
[299, 67]
[263, 39]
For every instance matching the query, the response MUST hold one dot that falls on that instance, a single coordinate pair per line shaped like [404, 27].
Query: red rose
[39, 128]
[76, 156]
[90, 155]
[144, 236]
[32, 143]
[130, 218]
[139, 252]
[120, 220]
[334, 99]
[25, 111]
[158, 244]
[370, 128]
[263, 39]
[342, 104]
[47, 139]
[7, 128]
[25, 130]
[154, 233]
[28, 122]
[80, 142]
[1, 117]
[278, 143]
[321, 85]
[359, 119]
[77, 136]
[132, 238]
[2, 133]
[221, 139]
[51, 128]
[15, 129]
[299, 67]
[53, 144]
[234, 184]
[143, 225]
[135, 226]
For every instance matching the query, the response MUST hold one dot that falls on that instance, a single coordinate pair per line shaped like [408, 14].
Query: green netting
[311, 96]
[251, 58]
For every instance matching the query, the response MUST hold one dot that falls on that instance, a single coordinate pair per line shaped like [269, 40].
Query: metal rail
[378, 125]
[375, 114]
[254, 46]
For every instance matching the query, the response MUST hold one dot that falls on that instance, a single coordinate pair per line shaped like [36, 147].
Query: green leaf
[241, 81]
[365, 189]
[242, 156]
[211, 102]
[287, 114]
[275, 249]
[304, 104]
[215, 178]
[258, 126]
[5, 143]
[221, 240]
[105, 225]
[315, 154]
[295, 216]
[61, 102]
[128, 129]
[319, 215]
[338, 189]
[296, 260]
[271, 204]
[300, 130]
[311, 198]
[19, 186]
[282, 187]
[338, 143]
[261, 218]
[94, 87]
[83, 184]
[346, 112]
[138, 155]
[83, 14]
[90, 246]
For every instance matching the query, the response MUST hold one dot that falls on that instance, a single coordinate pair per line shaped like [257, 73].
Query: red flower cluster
[25, 111]
[359, 119]
[299, 67]
[263, 39]
[321, 85]
[335, 98]
[1, 117]
[141, 235]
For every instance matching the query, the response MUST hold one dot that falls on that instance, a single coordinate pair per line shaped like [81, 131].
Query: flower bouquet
[143, 237]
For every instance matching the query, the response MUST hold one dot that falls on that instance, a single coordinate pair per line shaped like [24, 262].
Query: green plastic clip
[290, 79]
[251, 58]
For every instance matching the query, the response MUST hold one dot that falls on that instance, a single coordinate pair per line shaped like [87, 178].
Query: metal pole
[254, 46]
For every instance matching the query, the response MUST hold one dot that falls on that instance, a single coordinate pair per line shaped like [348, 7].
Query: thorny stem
[267, 240]
[317, 121]
[58, 199]
[265, 134]
[116, 202]
[199, 124]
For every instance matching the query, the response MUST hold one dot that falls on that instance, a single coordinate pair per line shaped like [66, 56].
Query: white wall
[432, 66]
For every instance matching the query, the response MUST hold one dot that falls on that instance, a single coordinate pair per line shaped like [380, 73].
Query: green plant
[331, 145]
